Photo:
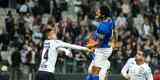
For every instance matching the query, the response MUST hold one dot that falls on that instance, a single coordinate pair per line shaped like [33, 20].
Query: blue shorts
[42, 75]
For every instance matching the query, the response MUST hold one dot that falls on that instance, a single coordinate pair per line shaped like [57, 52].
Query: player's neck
[140, 62]
[52, 38]
[100, 42]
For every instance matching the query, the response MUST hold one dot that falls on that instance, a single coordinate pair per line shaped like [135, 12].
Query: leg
[45, 76]
[89, 76]
[103, 72]
[102, 75]
[42, 76]
[94, 73]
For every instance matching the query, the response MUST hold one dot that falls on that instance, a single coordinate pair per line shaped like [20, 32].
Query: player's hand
[127, 77]
[88, 51]
[69, 54]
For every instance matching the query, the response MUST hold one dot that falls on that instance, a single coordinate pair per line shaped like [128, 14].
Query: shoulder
[58, 41]
[49, 42]
[131, 60]
[146, 65]
[147, 68]
[108, 22]
[46, 41]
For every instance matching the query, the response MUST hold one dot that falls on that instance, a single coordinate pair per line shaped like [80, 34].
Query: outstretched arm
[67, 52]
[68, 45]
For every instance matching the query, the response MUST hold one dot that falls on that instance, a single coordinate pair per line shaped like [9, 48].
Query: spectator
[125, 8]
[21, 27]
[121, 21]
[24, 8]
[146, 28]
[156, 75]
[16, 65]
[37, 37]
[9, 21]
[135, 7]
[138, 23]
[28, 22]
[157, 22]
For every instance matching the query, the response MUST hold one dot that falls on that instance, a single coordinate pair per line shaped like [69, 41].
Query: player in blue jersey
[100, 63]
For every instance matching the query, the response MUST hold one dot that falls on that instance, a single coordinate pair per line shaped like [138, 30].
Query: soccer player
[100, 63]
[49, 54]
[140, 70]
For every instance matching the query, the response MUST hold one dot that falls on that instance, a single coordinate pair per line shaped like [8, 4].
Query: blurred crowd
[137, 25]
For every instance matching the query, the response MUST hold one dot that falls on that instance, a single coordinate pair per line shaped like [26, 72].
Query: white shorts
[101, 61]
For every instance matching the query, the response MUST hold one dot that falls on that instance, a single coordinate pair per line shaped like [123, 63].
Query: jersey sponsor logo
[43, 66]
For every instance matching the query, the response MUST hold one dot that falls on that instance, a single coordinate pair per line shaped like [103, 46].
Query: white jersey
[130, 62]
[49, 54]
[101, 57]
[140, 72]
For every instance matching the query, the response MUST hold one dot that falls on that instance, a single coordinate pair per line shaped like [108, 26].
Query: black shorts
[42, 75]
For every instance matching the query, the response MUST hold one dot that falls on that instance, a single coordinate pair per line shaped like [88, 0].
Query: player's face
[52, 35]
[139, 55]
[98, 13]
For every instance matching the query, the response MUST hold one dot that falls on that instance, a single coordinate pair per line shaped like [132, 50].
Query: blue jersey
[105, 27]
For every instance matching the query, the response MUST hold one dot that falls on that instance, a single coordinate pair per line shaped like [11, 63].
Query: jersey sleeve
[67, 52]
[125, 69]
[68, 45]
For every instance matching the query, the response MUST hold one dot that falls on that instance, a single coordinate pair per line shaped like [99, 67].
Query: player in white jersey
[49, 54]
[140, 70]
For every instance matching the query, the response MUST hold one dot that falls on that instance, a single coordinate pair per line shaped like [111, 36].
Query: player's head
[51, 33]
[140, 56]
[103, 12]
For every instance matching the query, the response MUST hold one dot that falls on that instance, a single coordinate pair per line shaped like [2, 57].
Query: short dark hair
[105, 11]
[47, 30]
